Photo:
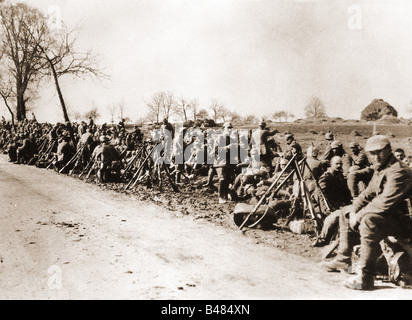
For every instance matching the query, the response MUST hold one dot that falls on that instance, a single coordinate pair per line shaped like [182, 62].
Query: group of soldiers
[356, 191]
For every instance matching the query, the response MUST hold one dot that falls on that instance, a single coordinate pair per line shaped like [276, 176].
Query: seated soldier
[64, 152]
[27, 150]
[360, 172]
[338, 150]
[337, 194]
[401, 156]
[286, 190]
[316, 168]
[14, 143]
[254, 172]
[109, 161]
[378, 212]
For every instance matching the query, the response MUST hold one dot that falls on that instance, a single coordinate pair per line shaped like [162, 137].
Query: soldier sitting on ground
[360, 172]
[64, 152]
[401, 156]
[378, 212]
[27, 150]
[337, 194]
[108, 160]
[338, 150]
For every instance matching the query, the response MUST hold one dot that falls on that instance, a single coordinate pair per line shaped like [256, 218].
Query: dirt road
[62, 238]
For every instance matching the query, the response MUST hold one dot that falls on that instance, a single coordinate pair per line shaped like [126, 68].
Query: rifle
[138, 170]
[129, 165]
[92, 167]
[266, 194]
[72, 159]
[91, 161]
[306, 196]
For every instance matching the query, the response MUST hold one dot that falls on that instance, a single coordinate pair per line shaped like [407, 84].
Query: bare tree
[277, 116]
[121, 106]
[216, 107]
[194, 106]
[112, 109]
[155, 106]
[315, 108]
[168, 104]
[288, 115]
[225, 114]
[22, 28]
[63, 58]
[7, 94]
[182, 108]
[92, 113]
[77, 116]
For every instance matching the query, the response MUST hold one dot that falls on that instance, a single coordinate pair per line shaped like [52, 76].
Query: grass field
[305, 134]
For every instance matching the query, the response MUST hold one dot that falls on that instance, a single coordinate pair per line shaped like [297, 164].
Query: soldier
[87, 143]
[27, 150]
[378, 212]
[222, 163]
[338, 150]
[360, 172]
[260, 138]
[315, 165]
[108, 160]
[64, 152]
[292, 147]
[400, 155]
[336, 191]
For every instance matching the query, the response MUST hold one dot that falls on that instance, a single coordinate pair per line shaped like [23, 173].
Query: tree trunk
[11, 113]
[59, 92]
[21, 106]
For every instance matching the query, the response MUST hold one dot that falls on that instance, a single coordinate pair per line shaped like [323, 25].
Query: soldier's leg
[352, 181]
[347, 239]
[329, 228]
[373, 229]
[223, 187]
[210, 175]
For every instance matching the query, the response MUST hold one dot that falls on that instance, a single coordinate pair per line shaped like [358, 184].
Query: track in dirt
[63, 238]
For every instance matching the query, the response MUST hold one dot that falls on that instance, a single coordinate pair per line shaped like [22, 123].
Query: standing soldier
[222, 162]
[378, 212]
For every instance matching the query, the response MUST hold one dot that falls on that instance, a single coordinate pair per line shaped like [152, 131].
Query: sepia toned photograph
[199, 150]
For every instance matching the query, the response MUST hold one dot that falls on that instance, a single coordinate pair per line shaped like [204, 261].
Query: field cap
[312, 151]
[377, 142]
[353, 145]
[329, 136]
[336, 144]
[227, 125]
[288, 136]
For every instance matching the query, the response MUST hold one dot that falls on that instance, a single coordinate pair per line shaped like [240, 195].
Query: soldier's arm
[398, 185]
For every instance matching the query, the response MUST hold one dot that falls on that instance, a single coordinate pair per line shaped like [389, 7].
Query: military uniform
[378, 212]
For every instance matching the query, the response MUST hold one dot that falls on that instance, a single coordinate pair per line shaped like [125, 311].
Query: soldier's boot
[369, 252]
[178, 177]
[17, 160]
[362, 281]
[223, 190]
[339, 264]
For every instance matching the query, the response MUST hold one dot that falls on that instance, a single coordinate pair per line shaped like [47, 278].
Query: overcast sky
[255, 56]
